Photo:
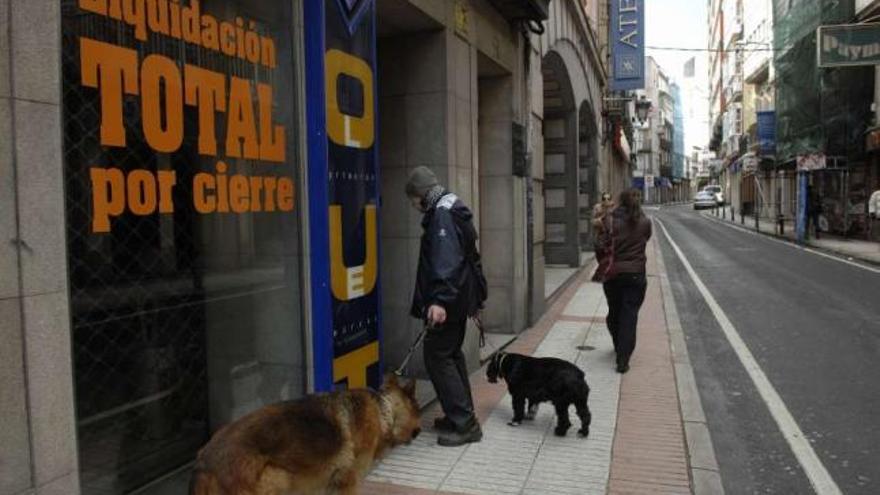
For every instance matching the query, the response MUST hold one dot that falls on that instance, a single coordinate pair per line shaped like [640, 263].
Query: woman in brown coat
[625, 282]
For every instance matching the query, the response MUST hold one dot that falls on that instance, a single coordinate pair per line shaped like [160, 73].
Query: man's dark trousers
[625, 294]
[448, 372]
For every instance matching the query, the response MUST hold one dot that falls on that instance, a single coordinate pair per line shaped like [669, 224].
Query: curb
[704, 471]
[793, 242]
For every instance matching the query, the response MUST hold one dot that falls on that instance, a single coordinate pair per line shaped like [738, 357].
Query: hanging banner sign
[627, 44]
[767, 132]
[847, 45]
[343, 192]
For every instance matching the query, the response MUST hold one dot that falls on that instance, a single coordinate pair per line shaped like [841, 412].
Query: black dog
[540, 380]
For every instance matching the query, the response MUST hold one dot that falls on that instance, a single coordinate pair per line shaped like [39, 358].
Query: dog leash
[412, 349]
[478, 322]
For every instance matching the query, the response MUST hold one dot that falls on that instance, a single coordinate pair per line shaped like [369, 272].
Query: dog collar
[386, 409]
[500, 364]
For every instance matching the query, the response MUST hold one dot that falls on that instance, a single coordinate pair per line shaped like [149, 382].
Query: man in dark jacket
[449, 288]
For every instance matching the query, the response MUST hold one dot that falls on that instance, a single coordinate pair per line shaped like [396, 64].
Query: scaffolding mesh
[818, 110]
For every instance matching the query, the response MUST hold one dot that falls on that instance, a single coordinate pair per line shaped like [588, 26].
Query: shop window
[180, 153]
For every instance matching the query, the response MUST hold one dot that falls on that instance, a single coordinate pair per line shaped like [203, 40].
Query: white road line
[800, 446]
[792, 245]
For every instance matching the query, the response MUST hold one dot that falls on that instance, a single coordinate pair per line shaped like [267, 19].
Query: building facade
[869, 10]
[725, 19]
[654, 172]
[777, 115]
[619, 117]
[827, 144]
[680, 170]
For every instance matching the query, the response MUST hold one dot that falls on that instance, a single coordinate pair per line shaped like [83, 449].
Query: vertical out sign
[627, 33]
[343, 192]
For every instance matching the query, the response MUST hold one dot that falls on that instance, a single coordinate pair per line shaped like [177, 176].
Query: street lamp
[643, 106]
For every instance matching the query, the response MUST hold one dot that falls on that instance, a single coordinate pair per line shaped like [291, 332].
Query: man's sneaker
[456, 438]
[443, 424]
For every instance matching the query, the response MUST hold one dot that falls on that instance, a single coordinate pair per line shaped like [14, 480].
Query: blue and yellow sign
[343, 192]
[627, 32]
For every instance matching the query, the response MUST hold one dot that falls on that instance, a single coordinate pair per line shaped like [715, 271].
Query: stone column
[501, 248]
[427, 101]
[38, 436]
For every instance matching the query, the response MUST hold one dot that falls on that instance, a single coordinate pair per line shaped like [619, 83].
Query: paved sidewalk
[637, 439]
[853, 248]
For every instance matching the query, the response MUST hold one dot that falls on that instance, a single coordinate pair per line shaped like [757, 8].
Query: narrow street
[811, 323]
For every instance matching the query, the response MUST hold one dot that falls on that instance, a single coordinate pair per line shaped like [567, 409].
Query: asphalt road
[812, 324]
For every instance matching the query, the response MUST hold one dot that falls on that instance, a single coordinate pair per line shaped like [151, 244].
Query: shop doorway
[502, 240]
[562, 246]
[588, 173]
[412, 94]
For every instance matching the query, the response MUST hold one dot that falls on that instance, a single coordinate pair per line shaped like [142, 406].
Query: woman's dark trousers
[625, 294]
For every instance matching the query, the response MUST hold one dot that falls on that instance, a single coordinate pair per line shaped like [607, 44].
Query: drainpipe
[530, 215]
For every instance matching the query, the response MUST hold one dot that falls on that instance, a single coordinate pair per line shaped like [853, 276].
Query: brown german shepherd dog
[324, 443]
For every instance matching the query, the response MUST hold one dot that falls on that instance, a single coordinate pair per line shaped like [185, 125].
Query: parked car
[705, 199]
[716, 191]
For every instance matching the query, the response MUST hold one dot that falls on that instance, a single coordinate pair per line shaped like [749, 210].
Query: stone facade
[36, 386]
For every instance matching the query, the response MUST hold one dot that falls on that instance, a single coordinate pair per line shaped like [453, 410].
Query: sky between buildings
[682, 24]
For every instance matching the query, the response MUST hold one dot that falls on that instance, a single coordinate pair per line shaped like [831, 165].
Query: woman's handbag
[605, 255]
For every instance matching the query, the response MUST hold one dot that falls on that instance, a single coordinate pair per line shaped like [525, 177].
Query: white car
[705, 199]
[716, 191]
